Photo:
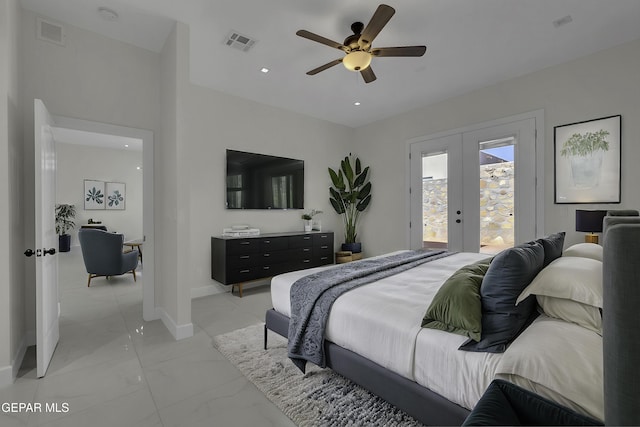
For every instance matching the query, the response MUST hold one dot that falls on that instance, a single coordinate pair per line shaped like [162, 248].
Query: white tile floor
[113, 369]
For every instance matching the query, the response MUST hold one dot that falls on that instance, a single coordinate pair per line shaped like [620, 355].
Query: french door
[474, 191]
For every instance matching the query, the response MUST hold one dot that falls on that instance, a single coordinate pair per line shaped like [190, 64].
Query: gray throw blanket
[312, 297]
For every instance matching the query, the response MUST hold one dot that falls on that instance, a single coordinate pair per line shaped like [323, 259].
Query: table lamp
[590, 222]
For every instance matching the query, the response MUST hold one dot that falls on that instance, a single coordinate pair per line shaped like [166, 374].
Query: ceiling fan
[358, 45]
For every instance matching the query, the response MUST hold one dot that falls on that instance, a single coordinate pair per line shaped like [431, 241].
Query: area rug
[318, 398]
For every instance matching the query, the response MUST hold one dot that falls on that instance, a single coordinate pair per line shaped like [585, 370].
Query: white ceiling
[470, 44]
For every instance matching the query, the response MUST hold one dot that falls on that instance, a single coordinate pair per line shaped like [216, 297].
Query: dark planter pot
[64, 243]
[352, 247]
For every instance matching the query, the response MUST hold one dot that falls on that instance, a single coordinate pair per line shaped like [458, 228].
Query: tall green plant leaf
[348, 171]
[361, 178]
[358, 167]
[362, 204]
[364, 192]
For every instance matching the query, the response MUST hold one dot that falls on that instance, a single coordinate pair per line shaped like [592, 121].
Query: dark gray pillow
[552, 245]
[509, 273]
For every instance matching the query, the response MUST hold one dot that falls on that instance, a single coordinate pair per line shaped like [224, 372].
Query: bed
[374, 336]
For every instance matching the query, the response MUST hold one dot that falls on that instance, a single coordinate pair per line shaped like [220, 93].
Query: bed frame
[421, 403]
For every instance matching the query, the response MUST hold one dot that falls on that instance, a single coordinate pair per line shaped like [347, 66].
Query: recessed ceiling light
[126, 145]
[356, 103]
[108, 14]
[264, 70]
[138, 168]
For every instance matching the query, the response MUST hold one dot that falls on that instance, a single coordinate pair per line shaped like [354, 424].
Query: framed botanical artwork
[587, 161]
[93, 194]
[115, 196]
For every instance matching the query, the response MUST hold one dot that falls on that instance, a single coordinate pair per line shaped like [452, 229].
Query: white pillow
[584, 315]
[577, 279]
[584, 250]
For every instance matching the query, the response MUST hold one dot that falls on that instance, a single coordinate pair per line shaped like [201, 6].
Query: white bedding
[381, 321]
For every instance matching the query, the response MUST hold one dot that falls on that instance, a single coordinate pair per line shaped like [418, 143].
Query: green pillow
[457, 306]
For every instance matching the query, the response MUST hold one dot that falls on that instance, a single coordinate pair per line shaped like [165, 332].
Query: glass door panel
[497, 194]
[435, 222]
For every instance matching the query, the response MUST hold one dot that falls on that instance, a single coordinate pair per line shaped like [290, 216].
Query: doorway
[477, 189]
[148, 282]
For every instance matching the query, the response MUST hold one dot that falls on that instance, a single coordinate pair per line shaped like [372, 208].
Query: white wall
[599, 85]
[12, 289]
[92, 78]
[77, 163]
[209, 122]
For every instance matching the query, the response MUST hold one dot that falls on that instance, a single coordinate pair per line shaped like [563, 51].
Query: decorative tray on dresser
[236, 261]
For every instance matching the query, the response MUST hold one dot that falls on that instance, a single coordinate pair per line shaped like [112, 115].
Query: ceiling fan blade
[319, 39]
[379, 19]
[324, 67]
[368, 75]
[399, 51]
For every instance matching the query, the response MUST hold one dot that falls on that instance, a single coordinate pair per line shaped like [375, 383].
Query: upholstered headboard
[621, 328]
[616, 217]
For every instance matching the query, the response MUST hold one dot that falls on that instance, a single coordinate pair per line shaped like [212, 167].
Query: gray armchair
[103, 256]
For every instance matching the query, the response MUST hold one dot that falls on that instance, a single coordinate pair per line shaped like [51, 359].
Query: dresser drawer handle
[245, 271]
[266, 268]
[305, 249]
[306, 260]
[245, 257]
[323, 236]
[324, 247]
[245, 243]
[266, 255]
[306, 237]
[324, 258]
[266, 242]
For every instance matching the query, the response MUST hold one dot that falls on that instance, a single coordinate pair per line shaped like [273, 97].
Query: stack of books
[240, 232]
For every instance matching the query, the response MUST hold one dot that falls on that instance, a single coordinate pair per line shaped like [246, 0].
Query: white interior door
[47, 301]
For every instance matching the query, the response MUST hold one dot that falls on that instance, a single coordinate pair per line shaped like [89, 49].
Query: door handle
[458, 221]
[29, 252]
[51, 251]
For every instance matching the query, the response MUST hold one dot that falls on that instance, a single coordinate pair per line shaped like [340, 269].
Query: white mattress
[359, 319]
[381, 321]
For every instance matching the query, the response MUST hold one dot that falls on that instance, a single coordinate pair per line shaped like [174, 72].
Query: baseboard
[19, 357]
[205, 291]
[9, 373]
[178, 331]
[6, 376]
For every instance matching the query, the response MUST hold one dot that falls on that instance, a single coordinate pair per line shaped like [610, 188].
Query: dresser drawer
[323, 239]
[242, 246]
[243, 260]
[324, 249]
[323, 259]
[244, 274]
[301, 241]
[269, 244]
[300, 253]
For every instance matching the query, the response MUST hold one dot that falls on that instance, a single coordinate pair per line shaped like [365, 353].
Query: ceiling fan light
[357, 60]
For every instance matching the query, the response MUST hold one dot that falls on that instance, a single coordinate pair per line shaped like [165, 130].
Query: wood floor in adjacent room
[113, 369]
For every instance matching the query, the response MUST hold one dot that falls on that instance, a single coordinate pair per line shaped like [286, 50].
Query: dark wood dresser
[235, 261]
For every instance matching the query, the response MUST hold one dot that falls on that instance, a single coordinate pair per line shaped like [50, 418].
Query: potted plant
[585, 152]
[308, 218]
[350, 195]
[65, 214]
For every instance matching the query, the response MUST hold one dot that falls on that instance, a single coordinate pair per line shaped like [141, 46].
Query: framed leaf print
[587, 161]
[94, 196]
[115, 196]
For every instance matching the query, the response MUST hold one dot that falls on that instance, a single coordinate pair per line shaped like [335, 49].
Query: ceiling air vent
[51, 32]
[239, 41]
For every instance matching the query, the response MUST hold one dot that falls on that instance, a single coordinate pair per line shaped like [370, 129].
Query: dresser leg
[240, 289]
[265, 336]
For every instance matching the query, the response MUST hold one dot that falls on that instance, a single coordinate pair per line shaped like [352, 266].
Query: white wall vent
[239, 41]
[51, 32]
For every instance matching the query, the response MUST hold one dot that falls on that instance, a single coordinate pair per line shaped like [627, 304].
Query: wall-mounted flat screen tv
[260, 181]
